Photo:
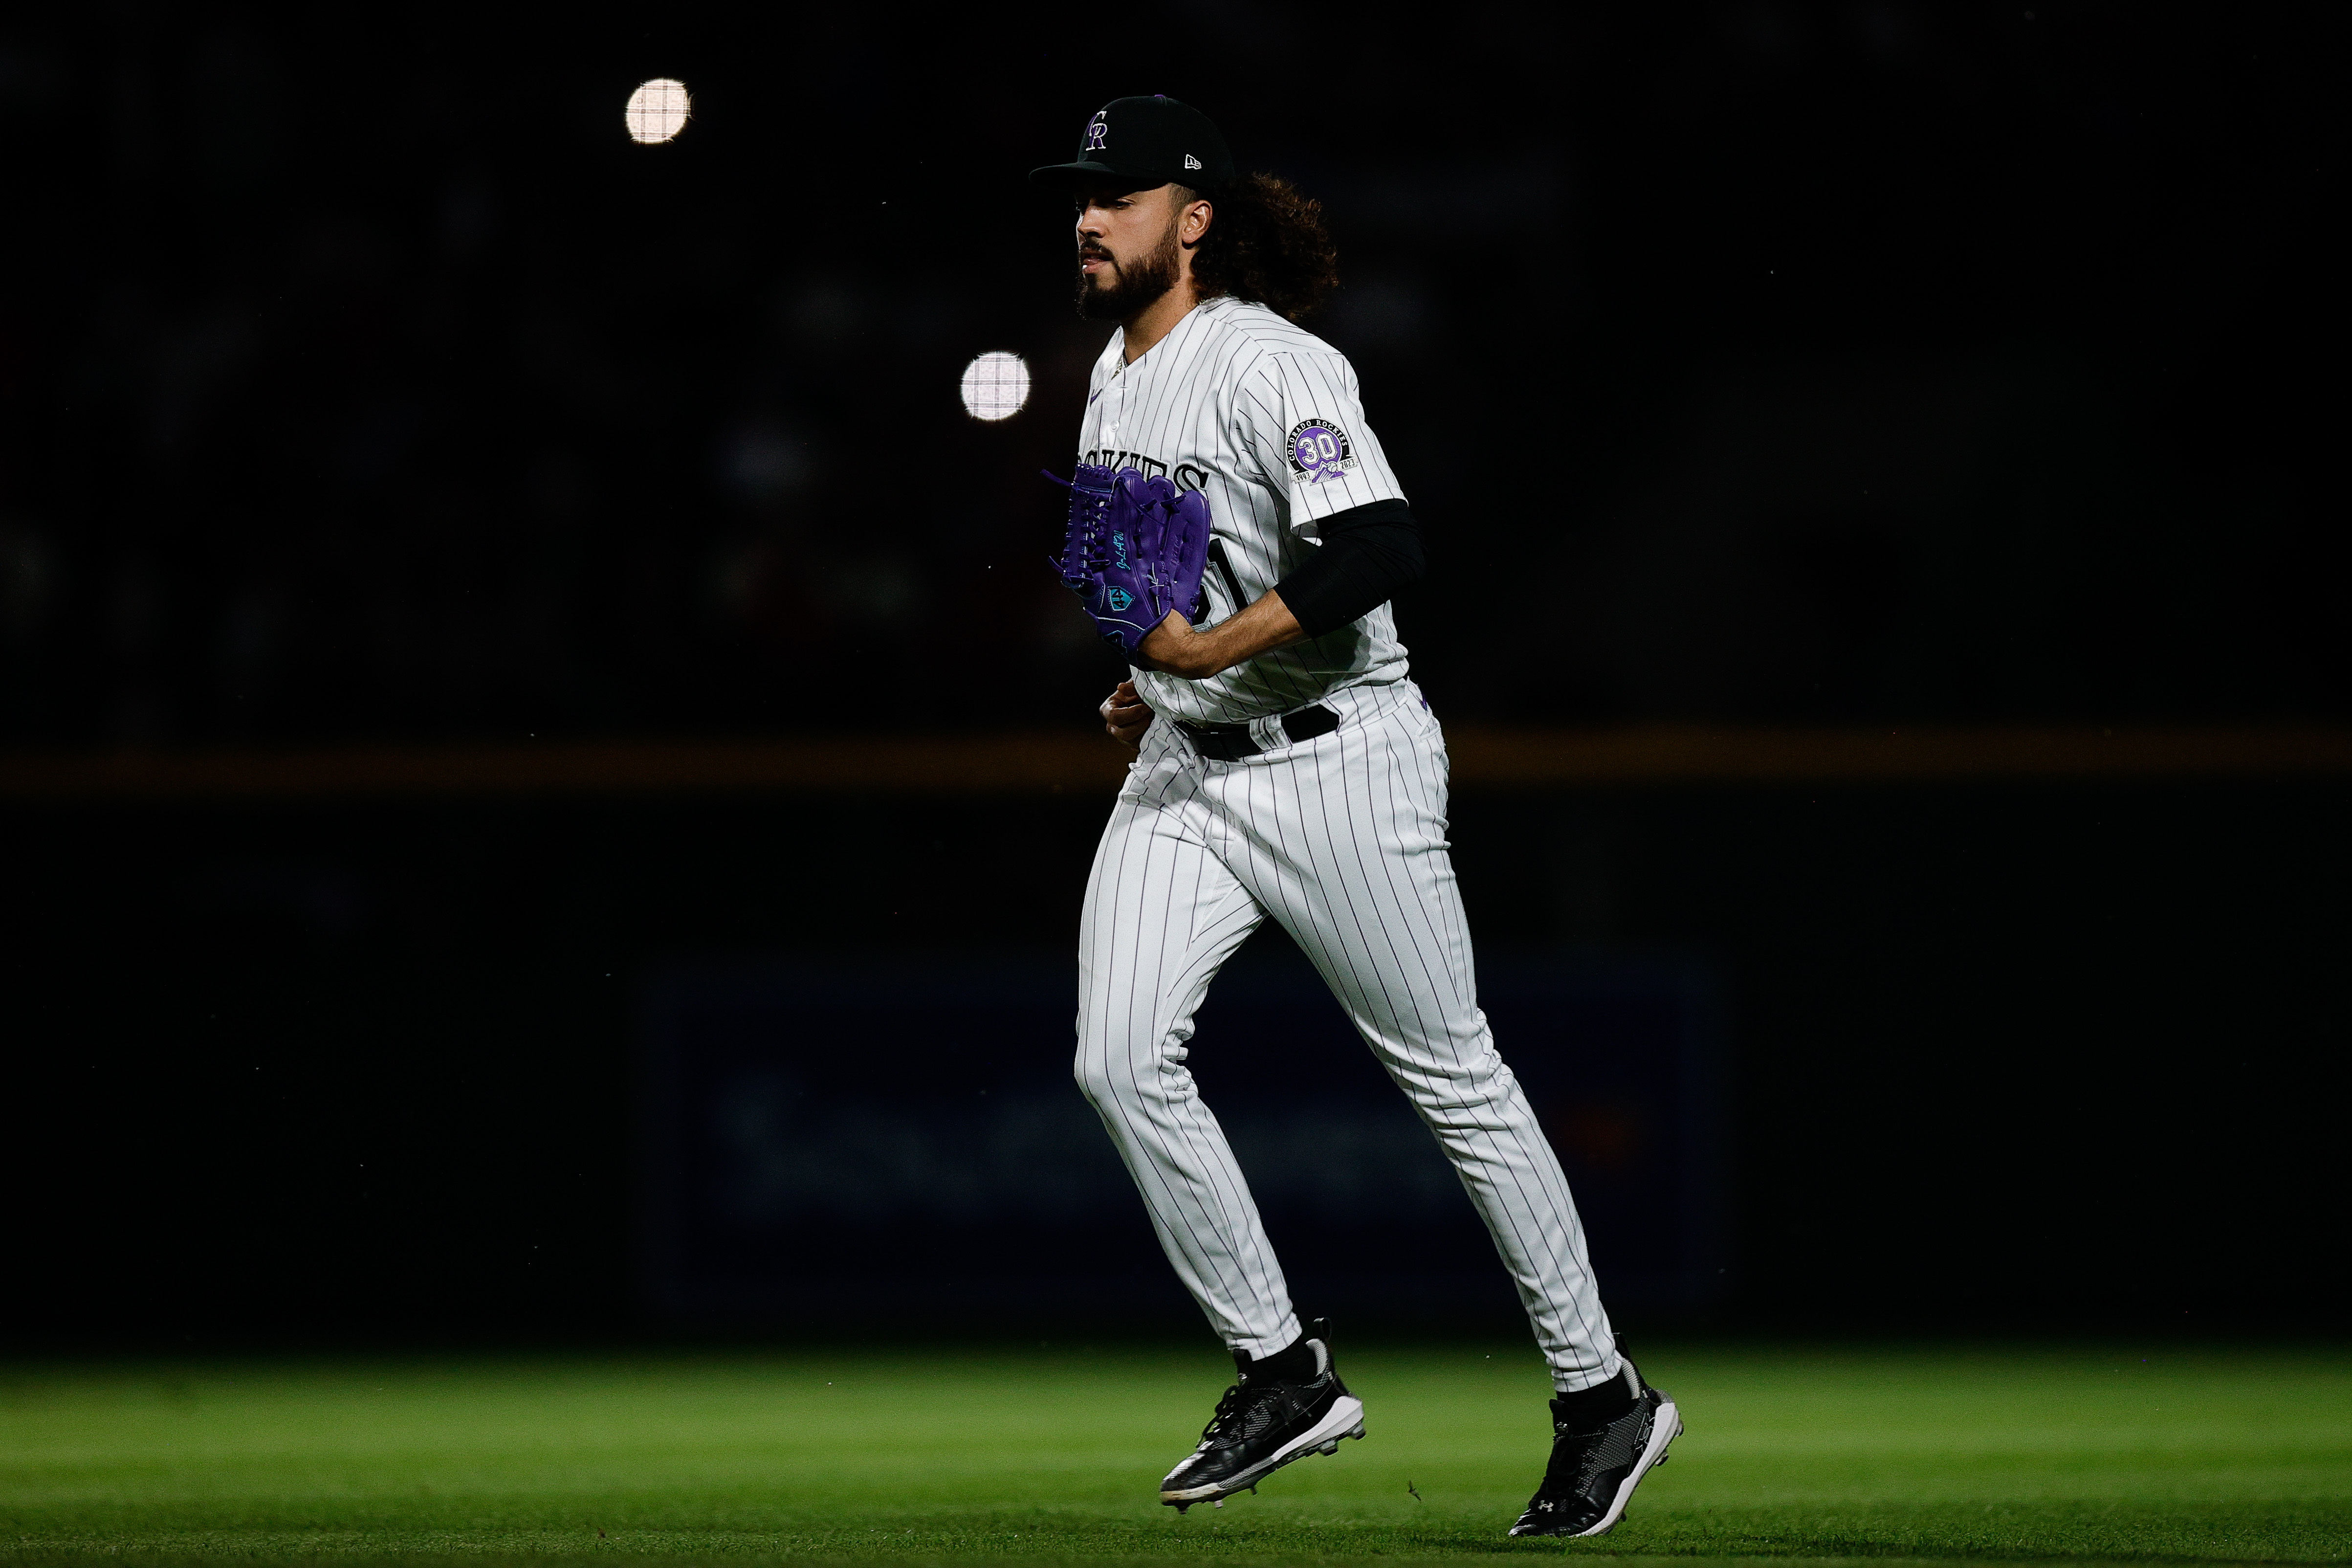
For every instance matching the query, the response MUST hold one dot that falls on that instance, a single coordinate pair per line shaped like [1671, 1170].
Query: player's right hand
[1125, 715]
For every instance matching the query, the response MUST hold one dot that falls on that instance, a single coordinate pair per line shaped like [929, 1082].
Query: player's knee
[1093, 1074]
[1468, 1082]
[1117, 1076]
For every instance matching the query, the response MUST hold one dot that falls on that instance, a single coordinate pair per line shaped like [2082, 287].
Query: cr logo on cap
[1096, 129]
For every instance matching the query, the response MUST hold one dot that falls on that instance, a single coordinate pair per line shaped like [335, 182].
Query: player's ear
[1198, 217]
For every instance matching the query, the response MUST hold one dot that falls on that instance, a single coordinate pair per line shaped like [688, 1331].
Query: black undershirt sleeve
[1368, 553]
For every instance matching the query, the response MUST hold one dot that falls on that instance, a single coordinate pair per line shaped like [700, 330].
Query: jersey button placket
[1114, 408]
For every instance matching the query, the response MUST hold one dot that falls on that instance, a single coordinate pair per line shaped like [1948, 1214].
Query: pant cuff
[1577, 1381]
[1274, 1343]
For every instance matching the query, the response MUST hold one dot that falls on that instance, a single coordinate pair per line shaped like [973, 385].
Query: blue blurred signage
[894, 1136]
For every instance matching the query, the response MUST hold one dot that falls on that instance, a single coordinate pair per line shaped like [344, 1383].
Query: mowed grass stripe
[1936, 1453]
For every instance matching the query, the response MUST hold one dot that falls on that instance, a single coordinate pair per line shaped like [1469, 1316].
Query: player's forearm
[1177, 650]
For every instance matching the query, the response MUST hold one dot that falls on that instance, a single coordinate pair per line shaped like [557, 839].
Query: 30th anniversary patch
[1318, 450]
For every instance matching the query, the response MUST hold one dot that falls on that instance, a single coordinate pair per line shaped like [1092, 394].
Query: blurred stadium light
[658, 110]
[996, 387]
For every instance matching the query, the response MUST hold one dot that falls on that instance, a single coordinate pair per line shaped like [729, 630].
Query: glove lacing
[1090, 513]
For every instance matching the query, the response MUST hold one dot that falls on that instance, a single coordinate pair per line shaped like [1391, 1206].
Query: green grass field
[2076, 1454]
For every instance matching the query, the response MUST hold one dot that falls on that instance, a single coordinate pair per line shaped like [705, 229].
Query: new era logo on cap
[1190, 162]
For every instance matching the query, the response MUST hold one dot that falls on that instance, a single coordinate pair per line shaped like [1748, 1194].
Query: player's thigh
[1370, 892]
[1163, 913]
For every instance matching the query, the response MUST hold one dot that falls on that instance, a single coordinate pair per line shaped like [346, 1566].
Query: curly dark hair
[1266, 243]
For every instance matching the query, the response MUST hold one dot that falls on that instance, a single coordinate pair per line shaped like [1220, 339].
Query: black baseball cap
[1152, 141]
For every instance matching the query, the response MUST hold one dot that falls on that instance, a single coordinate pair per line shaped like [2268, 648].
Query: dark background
[1856, 366]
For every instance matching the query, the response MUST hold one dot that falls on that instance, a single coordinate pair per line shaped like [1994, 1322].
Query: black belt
[1232, 743]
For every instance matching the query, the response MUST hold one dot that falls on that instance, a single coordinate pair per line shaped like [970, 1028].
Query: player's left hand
[1125, 715]
[1133, 551]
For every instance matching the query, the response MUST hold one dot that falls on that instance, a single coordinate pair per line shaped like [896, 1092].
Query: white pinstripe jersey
[1267, 420]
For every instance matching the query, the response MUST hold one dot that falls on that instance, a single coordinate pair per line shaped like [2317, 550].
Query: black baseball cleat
[1262, 1424]
[1593, 1471]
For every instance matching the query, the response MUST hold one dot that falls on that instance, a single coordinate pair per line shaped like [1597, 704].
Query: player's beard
[1137, 283]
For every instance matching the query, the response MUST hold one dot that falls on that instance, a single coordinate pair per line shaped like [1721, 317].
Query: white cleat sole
[1344, 1419]
[1669, 1427]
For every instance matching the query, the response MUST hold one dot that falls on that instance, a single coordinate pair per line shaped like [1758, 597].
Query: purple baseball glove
[1135, 550]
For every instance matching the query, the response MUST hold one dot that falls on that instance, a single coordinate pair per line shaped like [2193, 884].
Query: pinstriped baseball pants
[1341, 839]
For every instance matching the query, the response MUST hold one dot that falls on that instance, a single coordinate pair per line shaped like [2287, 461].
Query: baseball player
[1287, 767]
